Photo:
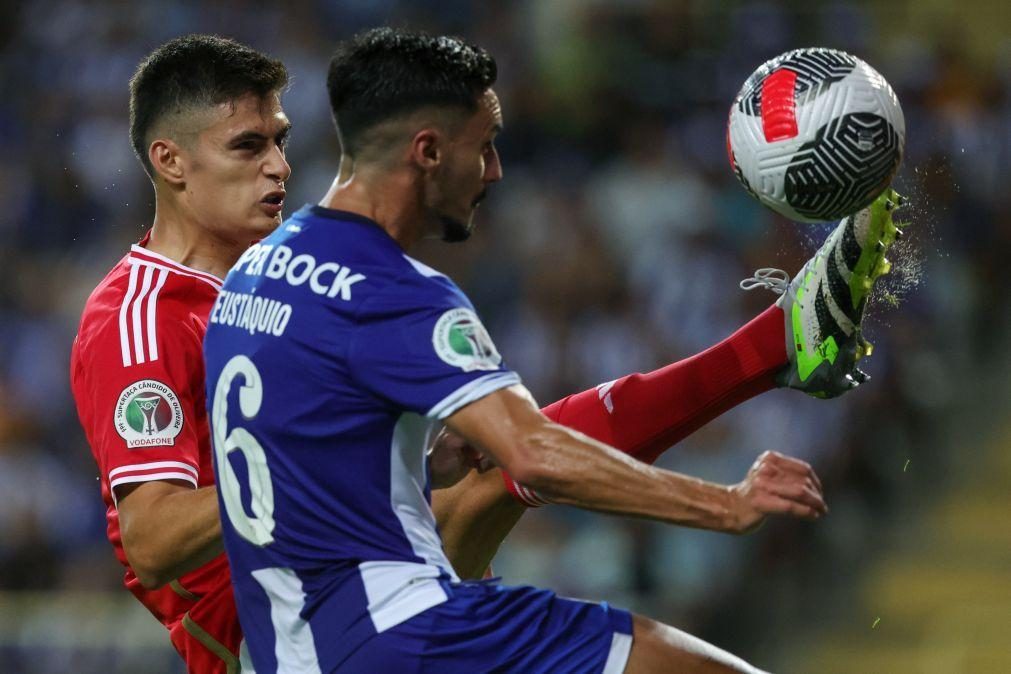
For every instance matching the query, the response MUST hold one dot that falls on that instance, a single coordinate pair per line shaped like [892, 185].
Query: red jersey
[137, 375]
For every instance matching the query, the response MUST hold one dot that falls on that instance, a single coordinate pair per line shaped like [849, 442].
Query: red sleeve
[138, 398]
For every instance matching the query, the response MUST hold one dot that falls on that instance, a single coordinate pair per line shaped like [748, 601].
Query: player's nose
[493, 168]
[277, 166]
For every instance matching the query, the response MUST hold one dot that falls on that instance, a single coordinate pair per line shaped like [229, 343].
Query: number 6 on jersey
[259, 528]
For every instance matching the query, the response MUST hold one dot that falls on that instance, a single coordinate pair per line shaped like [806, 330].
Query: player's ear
[426, 148]
[164, 155]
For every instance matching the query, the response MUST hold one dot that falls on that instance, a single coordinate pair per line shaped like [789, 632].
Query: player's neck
[386, 197]
[191, 245]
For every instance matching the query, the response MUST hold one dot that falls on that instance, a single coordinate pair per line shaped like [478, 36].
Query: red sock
[645, 414]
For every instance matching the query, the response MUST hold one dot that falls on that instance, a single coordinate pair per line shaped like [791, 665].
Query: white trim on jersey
[423, 268]
[294, 646]
[529, 496]
[152, 311]
[474, 390]
[165, 470]
[138, 333]
[162, 262]
[412, 434]
[138, 472]
[148, 477]
[617, 657]
[134, 316]
[398, 591]
[245, 659]
[124, 333]
[152, 465]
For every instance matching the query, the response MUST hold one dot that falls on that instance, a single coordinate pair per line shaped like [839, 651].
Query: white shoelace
[769, 278]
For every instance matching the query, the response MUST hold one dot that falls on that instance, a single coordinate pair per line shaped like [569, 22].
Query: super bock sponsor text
[280, 262]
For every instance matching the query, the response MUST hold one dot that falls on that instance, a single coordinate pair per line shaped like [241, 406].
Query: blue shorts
[485, 627]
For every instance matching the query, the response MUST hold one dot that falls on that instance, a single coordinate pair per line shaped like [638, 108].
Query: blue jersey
[331, 358]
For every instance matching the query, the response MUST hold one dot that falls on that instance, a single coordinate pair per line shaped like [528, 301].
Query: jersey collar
[142, 256]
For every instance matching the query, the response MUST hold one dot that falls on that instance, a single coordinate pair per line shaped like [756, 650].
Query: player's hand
[451, 458]
[775, 485]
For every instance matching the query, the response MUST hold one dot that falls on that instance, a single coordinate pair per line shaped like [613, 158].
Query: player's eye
[249, 144]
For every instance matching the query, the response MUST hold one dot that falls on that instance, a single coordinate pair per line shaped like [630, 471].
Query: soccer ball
[815, 134]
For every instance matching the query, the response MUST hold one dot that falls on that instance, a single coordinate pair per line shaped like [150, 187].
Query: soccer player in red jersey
[207, 125]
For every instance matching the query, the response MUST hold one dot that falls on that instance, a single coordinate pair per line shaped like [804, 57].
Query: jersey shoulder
[416, 285]
[143, 302]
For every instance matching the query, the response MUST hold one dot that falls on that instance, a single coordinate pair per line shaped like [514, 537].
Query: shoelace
[770, 278]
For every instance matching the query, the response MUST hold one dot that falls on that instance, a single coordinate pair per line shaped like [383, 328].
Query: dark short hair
[196, 71]
[383, 73]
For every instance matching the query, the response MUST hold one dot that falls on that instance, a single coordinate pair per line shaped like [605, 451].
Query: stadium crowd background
[614, 244]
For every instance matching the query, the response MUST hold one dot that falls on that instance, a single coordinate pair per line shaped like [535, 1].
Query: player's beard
[455, 231]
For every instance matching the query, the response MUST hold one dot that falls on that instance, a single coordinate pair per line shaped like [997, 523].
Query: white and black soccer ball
[815, 134]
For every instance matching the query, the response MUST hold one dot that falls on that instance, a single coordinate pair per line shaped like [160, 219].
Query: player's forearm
[172, 534]
[573, 469]
[568, 467]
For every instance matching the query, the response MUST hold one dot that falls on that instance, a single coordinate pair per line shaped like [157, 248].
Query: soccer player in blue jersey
[333, 357]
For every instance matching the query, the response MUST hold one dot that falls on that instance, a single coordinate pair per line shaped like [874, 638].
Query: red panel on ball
[730, 150]
[779, 109]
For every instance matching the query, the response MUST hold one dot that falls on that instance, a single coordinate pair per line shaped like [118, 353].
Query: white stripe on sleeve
[531, 496]
[124, 332]
[138, 334]
[152, 309]
[152, 465]
[617, 657]
[149, 477]
[475, 389]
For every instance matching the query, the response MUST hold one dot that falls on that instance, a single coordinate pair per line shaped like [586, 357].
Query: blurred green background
[614, 244]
